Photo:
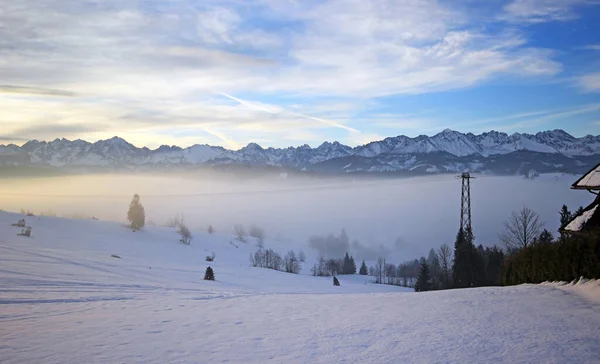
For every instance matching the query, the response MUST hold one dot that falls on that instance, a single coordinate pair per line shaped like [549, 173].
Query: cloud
[593, 47]
[156, 66]
[538, 11]
[33, 91]
[589, 82]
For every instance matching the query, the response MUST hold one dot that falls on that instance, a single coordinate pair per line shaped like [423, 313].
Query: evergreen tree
[424, 280]
[136, 214]
[363, 269]
[463, 270]
[545, 237]
[346, 265]
[352, 266]
[565, 216]
[209, 275]
[336, 282]
[434, 267]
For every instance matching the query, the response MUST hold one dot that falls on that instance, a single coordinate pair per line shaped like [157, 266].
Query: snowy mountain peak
[392, 153]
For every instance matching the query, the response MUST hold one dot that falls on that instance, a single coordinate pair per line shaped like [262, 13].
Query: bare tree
[521, 229]
[175, 221]
[379, 270]
[445, 258]
[186, 235]
[240, 232]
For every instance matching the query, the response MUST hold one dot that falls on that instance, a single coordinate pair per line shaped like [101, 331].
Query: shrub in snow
[210, 258]
[25, 232]
[115, 256]
[20, 223]
[136, 214]
[209, 275]
[336, 282]
[186, 235]
[239, 232]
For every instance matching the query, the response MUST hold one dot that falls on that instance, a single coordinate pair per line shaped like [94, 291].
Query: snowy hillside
[448, 151]
[64, 299]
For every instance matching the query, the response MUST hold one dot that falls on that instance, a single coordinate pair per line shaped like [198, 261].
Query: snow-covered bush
[211, 258]
[25, 232]
[20, 223]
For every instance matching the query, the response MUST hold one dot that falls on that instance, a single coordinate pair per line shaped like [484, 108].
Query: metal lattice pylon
[465, 203]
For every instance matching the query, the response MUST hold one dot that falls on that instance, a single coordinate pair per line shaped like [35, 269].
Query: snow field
[63, 299]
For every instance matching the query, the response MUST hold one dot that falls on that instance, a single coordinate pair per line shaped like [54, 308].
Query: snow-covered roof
[581, 221]
[589, 181]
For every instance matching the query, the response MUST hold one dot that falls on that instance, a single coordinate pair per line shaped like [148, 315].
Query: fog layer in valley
[401, 218]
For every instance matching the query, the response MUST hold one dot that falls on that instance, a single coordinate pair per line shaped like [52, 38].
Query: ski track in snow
[63, 299]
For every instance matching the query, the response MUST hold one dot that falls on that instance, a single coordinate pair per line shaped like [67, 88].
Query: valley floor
[63, 299]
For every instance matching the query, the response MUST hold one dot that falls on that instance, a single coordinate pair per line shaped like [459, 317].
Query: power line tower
[465, 203]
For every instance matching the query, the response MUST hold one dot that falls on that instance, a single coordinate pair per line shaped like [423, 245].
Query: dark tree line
[270, 259]
[331, 267]
[566, 259]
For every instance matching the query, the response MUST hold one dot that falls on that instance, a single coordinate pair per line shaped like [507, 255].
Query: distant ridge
[447, 151]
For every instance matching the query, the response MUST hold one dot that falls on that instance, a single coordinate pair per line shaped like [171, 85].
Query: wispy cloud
[272, 110]
[589, 82]
[12, 89]
[538, 11]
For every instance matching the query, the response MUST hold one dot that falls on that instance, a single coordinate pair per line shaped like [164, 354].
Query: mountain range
[448, 151]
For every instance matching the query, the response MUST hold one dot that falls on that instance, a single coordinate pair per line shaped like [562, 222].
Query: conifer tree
[352, 265]
[424, 280]
[136, 214]
[363, 269]
[463, 270]
[565, 216]
[209, 275]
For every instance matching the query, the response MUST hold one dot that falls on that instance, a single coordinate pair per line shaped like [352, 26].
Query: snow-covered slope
[384, 155]
[64, 299]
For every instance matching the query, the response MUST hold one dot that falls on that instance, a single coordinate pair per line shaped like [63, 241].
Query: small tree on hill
[136, 214]
[210, 229]
[424, 280]
[363, 269]
[209, 275]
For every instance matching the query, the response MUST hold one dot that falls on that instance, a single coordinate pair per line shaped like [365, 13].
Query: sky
[289, 72]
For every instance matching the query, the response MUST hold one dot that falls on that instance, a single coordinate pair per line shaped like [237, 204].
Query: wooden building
[589, 219]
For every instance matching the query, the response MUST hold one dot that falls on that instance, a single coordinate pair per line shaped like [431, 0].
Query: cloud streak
[12, 89]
